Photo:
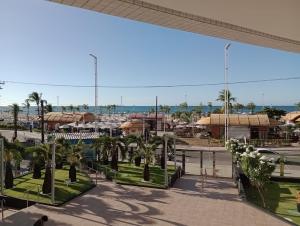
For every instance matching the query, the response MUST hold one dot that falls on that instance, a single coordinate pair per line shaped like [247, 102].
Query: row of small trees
[41, 158]
[106, 150]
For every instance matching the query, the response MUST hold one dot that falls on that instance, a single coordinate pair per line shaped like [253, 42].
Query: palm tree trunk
[130, 154]
[72, 173]
[146, 172]
[15, 130]
[38, 108]
[114, 160]
[137, 161]
[27, 114]
[36, 171]
[162, 159]
[15, 125]
[47, 180]
[9, 178]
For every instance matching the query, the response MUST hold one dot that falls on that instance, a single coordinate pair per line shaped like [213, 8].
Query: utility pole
[156, 116]
[1, 83]
[226, 104]
[53, 173]
[42, 121]
[96, 91]
[2, 164]
[166, 164]
[57, 102]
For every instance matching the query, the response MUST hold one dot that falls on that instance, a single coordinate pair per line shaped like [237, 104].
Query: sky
[45, 42]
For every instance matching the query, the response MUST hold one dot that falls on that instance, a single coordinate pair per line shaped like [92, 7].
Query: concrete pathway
[217, 203]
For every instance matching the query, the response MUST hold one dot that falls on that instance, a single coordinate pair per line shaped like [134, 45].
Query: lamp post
[166, 164]
[53, 173]
[226, 104]
[96, 89]
[2, 165]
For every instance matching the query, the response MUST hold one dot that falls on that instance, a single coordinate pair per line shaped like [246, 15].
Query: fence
[214, 163]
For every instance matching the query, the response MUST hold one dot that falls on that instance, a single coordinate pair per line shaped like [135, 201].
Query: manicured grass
[133, 175]
[63, 192]
[280, 199]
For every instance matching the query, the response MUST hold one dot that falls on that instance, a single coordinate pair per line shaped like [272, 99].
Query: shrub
[258, 168]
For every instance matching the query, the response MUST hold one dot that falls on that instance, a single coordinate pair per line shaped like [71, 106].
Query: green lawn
[133, 175]
[63, 192]
[280, 199]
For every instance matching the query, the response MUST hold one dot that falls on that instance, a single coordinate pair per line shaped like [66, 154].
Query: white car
[270, 154]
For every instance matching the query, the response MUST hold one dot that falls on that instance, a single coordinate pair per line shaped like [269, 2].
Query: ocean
[139, 109]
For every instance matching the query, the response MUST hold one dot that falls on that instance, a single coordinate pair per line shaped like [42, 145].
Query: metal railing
[27, 193]
[2, 208]
[94, 171]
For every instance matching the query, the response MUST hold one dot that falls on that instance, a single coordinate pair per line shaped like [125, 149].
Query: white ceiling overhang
[269, 23]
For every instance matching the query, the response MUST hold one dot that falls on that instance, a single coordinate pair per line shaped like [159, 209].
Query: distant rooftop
[237, 120]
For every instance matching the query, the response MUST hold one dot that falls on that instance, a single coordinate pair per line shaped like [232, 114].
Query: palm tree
[102, 147]
[108, 146]
[15, 109]
[109, 109]
[183, 107]
[165, 108]
[42, 153]
[97, 145]
[116, 145]
[85, 107]
[151, 110]
[237, 107]
[209, 105]
[137, 155]
[298, 105]
[222, 96]
[114, 108]
[251, 107]
[126, 142]
[37, 153]
[36, 98]
[26, 104]
[148, 151]
[49, 108]
[161, 141]
[63, 108]
[198, 110]
[74, 157]
[71, 108]
[11, 151]
[63, 146]
[47, 154]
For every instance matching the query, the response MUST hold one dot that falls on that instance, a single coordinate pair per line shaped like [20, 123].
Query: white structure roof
[268, 23]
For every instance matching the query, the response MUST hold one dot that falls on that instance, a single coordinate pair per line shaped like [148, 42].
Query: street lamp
[226, 104]
[96, 89]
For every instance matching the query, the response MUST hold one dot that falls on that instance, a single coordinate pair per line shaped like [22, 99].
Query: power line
[152, 86]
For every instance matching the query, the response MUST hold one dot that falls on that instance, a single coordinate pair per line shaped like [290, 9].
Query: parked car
[270, 154]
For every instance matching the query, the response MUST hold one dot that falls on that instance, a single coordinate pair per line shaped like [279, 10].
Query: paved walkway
[185, 204]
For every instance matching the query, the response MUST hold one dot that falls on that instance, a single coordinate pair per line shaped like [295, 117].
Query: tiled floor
[185, 204]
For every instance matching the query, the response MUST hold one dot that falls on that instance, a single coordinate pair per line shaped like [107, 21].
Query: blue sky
[50, 43]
